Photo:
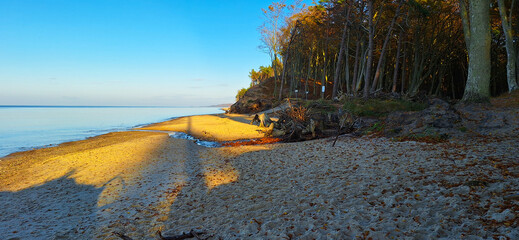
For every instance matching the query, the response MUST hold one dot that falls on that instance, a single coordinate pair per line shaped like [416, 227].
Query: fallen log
[263, 119]
[122, 236]
[190, 234]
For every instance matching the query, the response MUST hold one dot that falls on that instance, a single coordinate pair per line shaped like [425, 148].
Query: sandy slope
[139, 182]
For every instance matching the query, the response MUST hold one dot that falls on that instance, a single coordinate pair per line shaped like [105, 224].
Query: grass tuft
[380, 108]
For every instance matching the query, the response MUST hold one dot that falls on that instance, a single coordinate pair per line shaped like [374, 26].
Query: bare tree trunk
[308, 71]
[404, 65]
[510, 48]
[477, 88]
[397, 60]
[465, 21]
[285, 66]
[285, 62]
[367, 77]
[384, 47]
[315, 71]
[362, 67]
[347, 65]
[341, 51]
[356, 67]
[274, 63]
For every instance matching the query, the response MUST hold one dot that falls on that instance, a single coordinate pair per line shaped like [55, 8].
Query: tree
[369, 62]
[477, 88]
[384, 47]
[270, 31]
[254, 77]
[506, 21]
[240, 93]
[341, 51]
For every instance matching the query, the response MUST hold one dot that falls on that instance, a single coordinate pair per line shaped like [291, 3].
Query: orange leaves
[424, 138]
[417, 219]
[252, 142]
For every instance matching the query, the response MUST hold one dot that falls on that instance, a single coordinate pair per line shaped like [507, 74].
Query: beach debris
[261, 141]
[263, 119]
[301, 123]
[345, 121]
[190, 234]
[476, 183]
[122, 236]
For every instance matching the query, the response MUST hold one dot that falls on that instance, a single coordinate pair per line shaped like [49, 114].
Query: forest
[453, 49]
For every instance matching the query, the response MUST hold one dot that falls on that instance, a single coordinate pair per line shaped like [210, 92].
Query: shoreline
[139, 182]
[96, 134]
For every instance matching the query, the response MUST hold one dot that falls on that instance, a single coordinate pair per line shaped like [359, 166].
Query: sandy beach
[138, 182]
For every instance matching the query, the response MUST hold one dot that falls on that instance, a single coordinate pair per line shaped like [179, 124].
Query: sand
[139, 182]
[217, 127]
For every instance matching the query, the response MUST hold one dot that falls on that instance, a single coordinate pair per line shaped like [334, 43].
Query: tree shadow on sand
[212, 197]
[46, 212]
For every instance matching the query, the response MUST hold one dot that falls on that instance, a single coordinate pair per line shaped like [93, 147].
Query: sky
[128, 52]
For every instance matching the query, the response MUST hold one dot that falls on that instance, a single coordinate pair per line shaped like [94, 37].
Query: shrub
[379, 108]
[320, 105]
[298, 114]
[241, 92]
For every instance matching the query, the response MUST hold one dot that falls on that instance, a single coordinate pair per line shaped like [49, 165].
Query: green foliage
[376, 128]
[426, 136]
[241, 92]
[418, 7]
[320, 105]
[379, 108]
[261, 75]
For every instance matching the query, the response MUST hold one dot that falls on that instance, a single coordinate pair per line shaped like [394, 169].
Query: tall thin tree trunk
[315, 71]
[367, 77]
[308, 71]
[404, 65]
[356, 67]
[384, 47]
[274, 63]
[341, 51]
[347, 66]
[397, 60]
[477, 88]
[362, 68]
[510, 48]
[285, 66]
[285, 62]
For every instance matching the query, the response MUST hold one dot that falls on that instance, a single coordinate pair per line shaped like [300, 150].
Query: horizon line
[98, 106]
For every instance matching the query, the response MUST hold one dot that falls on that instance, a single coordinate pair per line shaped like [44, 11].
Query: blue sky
[127, 52]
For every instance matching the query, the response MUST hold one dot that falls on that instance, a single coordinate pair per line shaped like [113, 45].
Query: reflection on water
[24, 128]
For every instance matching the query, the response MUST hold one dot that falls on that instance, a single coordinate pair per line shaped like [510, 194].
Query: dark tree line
[450, 48]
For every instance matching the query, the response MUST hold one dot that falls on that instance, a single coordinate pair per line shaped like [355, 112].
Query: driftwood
[190, 234]
[263, 119]
[122, 236]
[346, 120]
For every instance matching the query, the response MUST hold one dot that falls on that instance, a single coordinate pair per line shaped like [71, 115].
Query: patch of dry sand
[219, 127]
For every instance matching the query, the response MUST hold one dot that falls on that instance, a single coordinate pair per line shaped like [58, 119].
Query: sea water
[29, 127]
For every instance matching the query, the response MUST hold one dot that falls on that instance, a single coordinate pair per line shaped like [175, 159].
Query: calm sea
[26, 128]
